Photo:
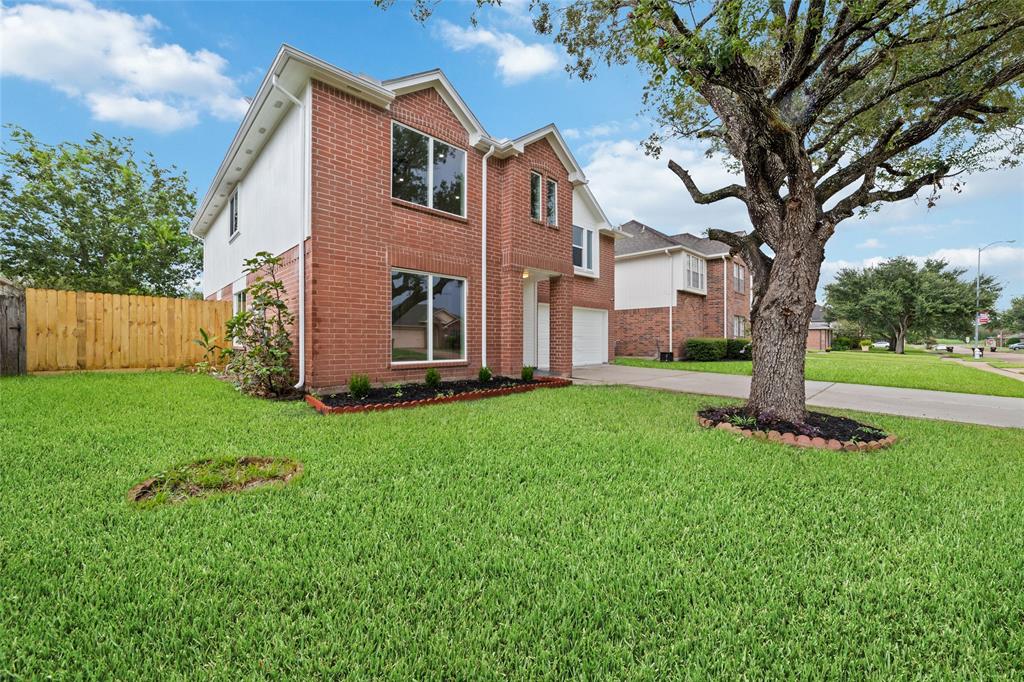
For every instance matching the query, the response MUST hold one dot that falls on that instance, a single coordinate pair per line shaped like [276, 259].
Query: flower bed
[823, 431]
[414, 395]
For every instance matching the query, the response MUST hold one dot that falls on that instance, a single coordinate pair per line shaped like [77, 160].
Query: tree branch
[733, 191]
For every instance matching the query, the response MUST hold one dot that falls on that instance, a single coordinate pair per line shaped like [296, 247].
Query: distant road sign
[983, 318]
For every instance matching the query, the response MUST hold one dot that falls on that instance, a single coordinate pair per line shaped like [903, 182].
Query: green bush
[737, 349]
[705, 349]
[433, 378]
[1012, 340]
[359, 386]
[485, 374]
[842, 343]
[527, 374]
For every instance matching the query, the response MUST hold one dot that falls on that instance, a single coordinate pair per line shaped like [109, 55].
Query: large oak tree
[826, 108]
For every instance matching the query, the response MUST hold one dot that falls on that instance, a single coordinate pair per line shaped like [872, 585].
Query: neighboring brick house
[671, 288]
[819, 332]
[426, 242]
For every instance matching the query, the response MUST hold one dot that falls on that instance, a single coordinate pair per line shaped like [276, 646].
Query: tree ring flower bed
[414, 395]
[210, 476]
[823, 431]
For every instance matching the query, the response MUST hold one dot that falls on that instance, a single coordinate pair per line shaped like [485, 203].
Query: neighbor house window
[240, 302]
[535, 182]
[427, 171]
[739, 326]
[583, 247]
[233, 215]
[739, 277]
[696, 269]
[428, 317]
[552, 202]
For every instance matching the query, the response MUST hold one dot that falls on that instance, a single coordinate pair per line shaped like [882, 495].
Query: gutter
[483, 263]
[303, 219]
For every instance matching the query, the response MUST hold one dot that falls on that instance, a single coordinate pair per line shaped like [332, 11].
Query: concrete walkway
[906, 402]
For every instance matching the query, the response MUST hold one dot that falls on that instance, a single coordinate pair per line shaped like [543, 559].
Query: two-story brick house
[669, 288]
[426, 241]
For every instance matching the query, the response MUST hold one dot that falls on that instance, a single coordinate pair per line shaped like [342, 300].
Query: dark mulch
[406, 392]
[818, 425]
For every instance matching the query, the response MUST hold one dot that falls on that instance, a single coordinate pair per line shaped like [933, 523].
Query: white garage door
[589, 336]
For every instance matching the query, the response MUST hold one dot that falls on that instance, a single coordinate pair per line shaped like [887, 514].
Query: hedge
[843, 343]
[737, 349]
[705, 349]
[1012, 340]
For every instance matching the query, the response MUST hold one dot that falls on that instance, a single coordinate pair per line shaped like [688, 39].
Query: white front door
[543, 336]
[530, 322]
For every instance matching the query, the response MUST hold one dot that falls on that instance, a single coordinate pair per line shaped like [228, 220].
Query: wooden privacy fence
[85, 330]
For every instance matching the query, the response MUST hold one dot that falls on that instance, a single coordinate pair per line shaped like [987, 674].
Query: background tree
[90, 217]
[898, 298]
[826, 109]
[1012, 319]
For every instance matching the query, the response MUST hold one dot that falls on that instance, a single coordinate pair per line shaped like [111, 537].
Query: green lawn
[913, 370]
[585, 532]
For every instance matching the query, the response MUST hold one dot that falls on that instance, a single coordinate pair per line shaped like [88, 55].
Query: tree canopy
[899, 297]
[91, 217]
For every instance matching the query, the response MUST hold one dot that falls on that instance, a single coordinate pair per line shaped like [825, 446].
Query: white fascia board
[436, 79]
[293, 69]
[651, 252]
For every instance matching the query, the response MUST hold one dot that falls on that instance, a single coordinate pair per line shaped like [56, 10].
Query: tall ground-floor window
[739, 326]
[428, 317]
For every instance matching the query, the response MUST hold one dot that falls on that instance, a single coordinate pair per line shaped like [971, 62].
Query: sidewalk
[906, 402]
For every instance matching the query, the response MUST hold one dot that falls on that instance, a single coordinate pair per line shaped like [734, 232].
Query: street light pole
[977, 287]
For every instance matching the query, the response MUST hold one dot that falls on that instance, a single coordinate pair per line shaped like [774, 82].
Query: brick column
[561, 325]
[506, 357]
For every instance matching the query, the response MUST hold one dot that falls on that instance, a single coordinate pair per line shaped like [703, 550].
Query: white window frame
[739, 278]
[430, 320]
[701, 271]
[233, 230]
[739, 326]
[594, 251]
[239, 303]
[534, 175]
[547, 192]
[430, 171]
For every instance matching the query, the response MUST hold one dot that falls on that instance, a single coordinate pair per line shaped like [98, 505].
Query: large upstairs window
[427, 171]
[583, 248]
[696, 272]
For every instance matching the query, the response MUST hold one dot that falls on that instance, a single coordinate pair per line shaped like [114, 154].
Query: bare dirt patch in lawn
[211, 476]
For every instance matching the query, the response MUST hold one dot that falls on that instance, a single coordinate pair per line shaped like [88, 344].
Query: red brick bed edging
[539, 382]
[800, 441]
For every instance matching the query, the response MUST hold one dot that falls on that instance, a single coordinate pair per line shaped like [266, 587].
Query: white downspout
[671, 295]
[725, 302]
[483, 263]
[303, 220]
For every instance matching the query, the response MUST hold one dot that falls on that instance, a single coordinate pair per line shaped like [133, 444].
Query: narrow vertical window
[535, 181]
[552, 202]
[233, 215]
[583, 247]
[449, 166]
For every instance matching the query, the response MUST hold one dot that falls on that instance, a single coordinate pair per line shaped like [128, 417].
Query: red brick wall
[819, 339]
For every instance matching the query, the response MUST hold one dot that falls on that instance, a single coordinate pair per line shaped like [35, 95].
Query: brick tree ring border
[800, 441]
[539, 382]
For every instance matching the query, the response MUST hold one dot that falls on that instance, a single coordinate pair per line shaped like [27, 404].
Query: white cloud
[870, 243]
[517, 61]
[114, 63]
[630, 184]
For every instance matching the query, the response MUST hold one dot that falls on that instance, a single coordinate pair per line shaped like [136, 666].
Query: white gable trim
[438, 81]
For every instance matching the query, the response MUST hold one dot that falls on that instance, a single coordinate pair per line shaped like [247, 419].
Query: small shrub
[1012, 340]
[705, 349]
[211, 350]
[527, 374]
[743, 421]
[737, 349]
[433, 378]
[359, 386]
[485, 374]
[842, 343]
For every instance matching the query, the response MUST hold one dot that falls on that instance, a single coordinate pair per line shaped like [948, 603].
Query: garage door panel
[589, 336]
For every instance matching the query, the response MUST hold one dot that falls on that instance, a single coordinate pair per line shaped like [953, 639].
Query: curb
[539, 382]
[801, 441]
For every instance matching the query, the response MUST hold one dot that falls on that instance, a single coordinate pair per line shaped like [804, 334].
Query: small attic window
[233, 215]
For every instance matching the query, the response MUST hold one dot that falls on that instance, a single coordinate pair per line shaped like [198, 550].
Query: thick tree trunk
[780, 332]
[901, 339]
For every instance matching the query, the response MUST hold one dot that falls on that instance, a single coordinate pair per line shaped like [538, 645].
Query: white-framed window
[241, 302]
[535, 182]
[696, 273]
[233, 215]
[428, 317]
[739, 277]
[427, 171]
[583, 248]
[739, 326]
[551, 203]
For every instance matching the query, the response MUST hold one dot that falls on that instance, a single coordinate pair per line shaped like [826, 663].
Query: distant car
[1017, 346]
[880, 344]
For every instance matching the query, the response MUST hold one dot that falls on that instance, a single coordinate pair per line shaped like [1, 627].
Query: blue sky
[173, 76]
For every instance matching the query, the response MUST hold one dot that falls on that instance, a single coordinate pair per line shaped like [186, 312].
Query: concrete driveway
[906, 402]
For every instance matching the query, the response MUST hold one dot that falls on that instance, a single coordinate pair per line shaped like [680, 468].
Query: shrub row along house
[425, 241]
[671, 288]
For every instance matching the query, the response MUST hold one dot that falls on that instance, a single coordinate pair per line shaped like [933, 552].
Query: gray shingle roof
[646, 238]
